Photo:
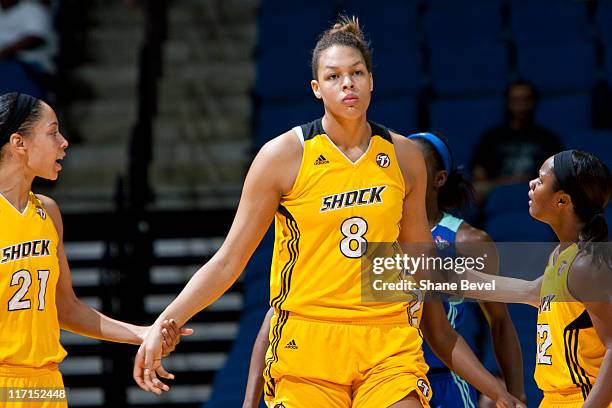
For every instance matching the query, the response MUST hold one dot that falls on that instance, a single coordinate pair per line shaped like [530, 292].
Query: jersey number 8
[354, 245]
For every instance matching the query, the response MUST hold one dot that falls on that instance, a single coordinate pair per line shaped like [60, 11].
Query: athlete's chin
[51, 176]
[352, 112]
[533, 211]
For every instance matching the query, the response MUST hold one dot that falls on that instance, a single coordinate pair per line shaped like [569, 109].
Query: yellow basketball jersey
[569, 352]
[324, 224]
[29, 270]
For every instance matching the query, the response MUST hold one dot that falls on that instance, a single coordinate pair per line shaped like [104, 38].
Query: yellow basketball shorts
[561, 400]
[316, 363]
[24, 387]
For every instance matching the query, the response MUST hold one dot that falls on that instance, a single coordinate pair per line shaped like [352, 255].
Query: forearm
[507, 290]
[77, 317]
[255, 382]
[601, 394]
[508, 354]
[207, 285]
[463, 362]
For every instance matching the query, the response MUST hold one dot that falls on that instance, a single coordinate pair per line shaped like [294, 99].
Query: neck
[434, 215]
[567, 229]
[347, 133]
[15, 185]
[516, 123]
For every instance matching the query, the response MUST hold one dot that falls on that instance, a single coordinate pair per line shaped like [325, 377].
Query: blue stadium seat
[598, 142]
[603, 17]
[287, 32]
[397, 73]
[507, 198]
[389, 28]
[272, 119]
[467, 53]
[460, 22]
[517, 226]
[283, 73]
[567, 115]
[507, 216]
[398, 113]
[15, 78]
[463, 121]
[293, 24]
[555, 43]
[562, 66]
[549, 21]
[468, 68]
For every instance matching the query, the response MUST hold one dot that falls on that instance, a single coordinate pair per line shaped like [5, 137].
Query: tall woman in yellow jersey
[332, 186]
[574, 296]
[36, 293]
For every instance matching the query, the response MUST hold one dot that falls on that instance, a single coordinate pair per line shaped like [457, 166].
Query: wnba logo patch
[41, 212]
[424, 387]
[562, 268]
[383, 160]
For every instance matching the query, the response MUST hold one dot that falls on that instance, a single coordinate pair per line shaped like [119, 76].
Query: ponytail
[457, 192]
[588, 182]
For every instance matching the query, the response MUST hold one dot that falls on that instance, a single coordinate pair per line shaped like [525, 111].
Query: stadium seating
[397, 113]
[463, 121]
[398, 17]
[274, 118]
[568, 66]
[554, 40]
[507, 216]
[565, 114]
[596, 142]
[467, 51]
[549, 21]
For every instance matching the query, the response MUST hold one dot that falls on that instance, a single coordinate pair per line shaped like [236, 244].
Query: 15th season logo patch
[383, 160]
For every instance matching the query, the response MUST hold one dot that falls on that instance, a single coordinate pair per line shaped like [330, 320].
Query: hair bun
[349, 25]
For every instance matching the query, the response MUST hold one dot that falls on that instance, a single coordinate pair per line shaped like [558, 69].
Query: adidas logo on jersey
[321, 160]
[291, 345]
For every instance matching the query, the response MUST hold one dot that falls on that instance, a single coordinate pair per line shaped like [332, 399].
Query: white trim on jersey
[300, 133]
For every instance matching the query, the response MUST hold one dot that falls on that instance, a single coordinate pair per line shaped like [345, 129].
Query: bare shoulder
[52, 209]
[410, 159]
[280, 159]
[588, 279]
[283, 147]
[404, 146]
[468, 234]
[49, 204]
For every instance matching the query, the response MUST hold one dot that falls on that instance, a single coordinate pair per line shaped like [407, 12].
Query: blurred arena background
[165, 103]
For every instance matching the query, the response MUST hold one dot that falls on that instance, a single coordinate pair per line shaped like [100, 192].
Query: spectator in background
[512, 151]
[27, 47]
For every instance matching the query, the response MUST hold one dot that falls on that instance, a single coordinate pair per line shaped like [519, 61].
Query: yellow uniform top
[29, 271]
[569, 351]
[324, 224]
